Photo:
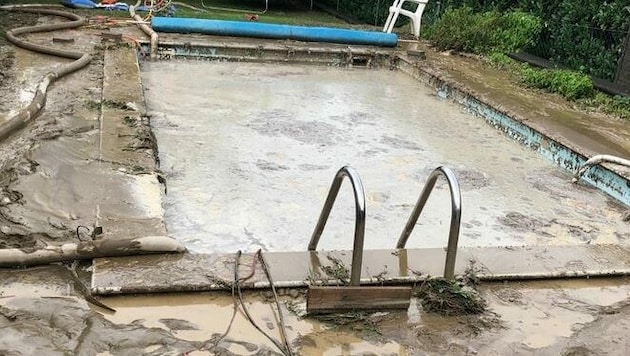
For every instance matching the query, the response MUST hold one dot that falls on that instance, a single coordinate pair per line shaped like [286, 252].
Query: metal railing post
[456, 215]
[598, 159]
[359, 224]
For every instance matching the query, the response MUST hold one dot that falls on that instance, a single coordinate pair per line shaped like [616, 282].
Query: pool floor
[249, 151]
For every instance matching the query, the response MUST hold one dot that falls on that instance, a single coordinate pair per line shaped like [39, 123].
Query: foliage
[570, 84]
[464, 30]
[584, 36]
[588, 36]
[359, 321]
[500, 60]
[594, 100]
[614, 105]
[444, 297]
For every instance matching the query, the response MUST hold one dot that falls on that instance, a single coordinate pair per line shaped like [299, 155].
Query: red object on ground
[250, 17]
[108, 2]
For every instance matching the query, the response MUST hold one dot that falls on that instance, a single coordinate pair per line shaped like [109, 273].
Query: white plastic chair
[415, 16]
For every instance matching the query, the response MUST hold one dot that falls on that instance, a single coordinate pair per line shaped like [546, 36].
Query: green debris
[444, 297]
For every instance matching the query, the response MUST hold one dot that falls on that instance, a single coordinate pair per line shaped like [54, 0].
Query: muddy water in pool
[250, 150]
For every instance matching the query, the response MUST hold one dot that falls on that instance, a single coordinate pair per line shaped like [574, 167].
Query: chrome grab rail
[598, 159]
[359, 224]
[456, 215]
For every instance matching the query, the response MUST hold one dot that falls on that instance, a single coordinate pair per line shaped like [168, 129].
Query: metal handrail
[359, 223]
[595, 160]
[456, 215]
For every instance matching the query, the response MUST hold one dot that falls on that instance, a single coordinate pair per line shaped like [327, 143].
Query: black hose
[24, 116]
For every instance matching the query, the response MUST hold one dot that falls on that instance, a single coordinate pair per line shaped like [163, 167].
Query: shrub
[501, 60]
[464, 30]
[615, 105]
[570, 84]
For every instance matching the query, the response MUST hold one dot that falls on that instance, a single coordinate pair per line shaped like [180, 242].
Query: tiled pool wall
[603, 178]
[339, 56]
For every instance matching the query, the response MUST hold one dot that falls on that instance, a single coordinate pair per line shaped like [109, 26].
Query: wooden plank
[334, 299]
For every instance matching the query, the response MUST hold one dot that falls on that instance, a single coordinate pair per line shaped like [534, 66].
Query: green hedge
[570, 84]
[584, 35]
[465, 30]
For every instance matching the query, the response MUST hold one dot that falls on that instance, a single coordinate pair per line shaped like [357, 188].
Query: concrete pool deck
[204, 272]
[587, 135]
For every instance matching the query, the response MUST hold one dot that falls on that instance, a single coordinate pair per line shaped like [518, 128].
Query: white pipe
[146, 29]
[107, 247]
[597, 160]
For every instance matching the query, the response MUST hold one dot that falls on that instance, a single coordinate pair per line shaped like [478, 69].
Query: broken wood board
[321, 300]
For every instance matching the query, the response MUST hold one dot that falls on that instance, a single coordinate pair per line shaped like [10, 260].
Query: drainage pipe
[25, 115]
[597, 160]
[83, 250]
[146, 29]
[265, 30]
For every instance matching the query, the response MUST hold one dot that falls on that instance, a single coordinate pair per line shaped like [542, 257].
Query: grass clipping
[450, 298]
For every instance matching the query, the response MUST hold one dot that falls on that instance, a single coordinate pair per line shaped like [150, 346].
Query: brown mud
[56, 185]
[40, 311]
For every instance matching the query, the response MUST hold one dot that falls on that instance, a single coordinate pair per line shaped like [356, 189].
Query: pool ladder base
[359, 228]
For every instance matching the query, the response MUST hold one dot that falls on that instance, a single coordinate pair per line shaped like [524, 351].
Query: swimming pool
[249, 151]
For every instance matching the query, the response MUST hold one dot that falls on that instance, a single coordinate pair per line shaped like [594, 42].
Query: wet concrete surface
[203, 272]
[587, 132]
[249, 151]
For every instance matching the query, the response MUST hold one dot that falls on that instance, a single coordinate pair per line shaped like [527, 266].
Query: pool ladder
[359, 224]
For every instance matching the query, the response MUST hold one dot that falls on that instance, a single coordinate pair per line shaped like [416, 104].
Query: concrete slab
[203, 272]
[532, 262]
[127, 144]
[124, 140]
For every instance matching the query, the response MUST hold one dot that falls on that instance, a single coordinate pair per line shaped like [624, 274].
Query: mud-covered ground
[43, 310]
[17, 151]
[56, 185]
[41, 313]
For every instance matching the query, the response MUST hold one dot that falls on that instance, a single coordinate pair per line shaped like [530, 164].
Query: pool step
[205, 272]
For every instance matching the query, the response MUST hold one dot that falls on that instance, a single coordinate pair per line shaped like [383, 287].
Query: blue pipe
[264, 30]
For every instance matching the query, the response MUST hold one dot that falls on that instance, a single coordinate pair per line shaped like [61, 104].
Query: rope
[85, 291]
[254, 324]
[283, 333]
[285, 348]
[155, 6]
[234, 301]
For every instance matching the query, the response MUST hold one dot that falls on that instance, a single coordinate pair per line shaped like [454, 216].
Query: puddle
[249, 151]
[546, 314]
[199, 317]
[540, 317]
